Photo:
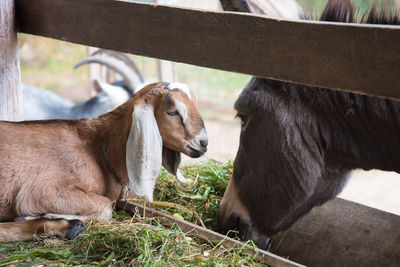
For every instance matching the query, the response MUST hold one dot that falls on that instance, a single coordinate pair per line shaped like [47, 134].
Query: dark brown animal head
[298, 145]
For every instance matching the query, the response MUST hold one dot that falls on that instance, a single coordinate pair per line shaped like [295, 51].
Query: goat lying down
[76, 169]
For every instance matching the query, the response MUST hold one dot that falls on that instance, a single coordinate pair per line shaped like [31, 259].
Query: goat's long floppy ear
[170, 161]
[143, 152]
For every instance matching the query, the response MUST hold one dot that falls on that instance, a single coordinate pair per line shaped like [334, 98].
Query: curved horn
[123, 57]
[132, 80]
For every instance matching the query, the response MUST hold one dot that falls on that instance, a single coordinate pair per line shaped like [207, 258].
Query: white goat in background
[41, 104]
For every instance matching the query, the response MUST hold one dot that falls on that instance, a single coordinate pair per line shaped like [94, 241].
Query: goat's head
[179, 121]
[165, 122]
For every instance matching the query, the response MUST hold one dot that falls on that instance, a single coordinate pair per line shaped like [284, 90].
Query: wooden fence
[350, 57]
[347, 57]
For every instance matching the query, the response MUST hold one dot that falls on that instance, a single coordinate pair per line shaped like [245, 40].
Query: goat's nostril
[204, 143]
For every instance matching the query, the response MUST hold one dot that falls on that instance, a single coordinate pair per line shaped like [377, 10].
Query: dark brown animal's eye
[243, 118]
[173, 113]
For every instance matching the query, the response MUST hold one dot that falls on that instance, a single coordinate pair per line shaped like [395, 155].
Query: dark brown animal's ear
[235, 5]
[338, 11]
[170, 161]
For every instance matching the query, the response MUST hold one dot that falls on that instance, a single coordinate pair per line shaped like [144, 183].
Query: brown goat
[79, 167]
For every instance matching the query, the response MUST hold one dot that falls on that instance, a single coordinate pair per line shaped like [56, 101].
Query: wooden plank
[204, 233]
[350, 57]
[342, 233]
[10, 81]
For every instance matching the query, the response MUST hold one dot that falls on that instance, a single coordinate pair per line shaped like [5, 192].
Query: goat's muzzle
[196, 152]
[197, 146]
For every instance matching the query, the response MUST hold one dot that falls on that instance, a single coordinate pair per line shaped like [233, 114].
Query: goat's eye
[173, 113]
[243, 118]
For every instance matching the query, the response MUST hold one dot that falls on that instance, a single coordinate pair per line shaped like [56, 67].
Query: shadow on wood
[342, 233]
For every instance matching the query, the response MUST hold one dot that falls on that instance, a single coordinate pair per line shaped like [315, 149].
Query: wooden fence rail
[349, 57]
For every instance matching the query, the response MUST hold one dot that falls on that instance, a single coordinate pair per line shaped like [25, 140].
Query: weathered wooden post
[96, 71]
[10, 79]
[166, 69]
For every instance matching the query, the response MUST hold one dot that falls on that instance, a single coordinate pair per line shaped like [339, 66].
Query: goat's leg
[27, 230]
[78, 204]
[70, 204]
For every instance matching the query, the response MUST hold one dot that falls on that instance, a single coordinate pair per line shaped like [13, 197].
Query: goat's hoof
[75, 228]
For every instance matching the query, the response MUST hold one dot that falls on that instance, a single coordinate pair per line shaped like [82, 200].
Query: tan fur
[59, 167]
[26, 230]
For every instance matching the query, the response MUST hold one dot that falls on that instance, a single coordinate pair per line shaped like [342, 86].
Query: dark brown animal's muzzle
[235, 226]
[234, 218]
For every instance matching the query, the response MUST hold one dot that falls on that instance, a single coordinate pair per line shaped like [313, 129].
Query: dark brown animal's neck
[364, 131]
